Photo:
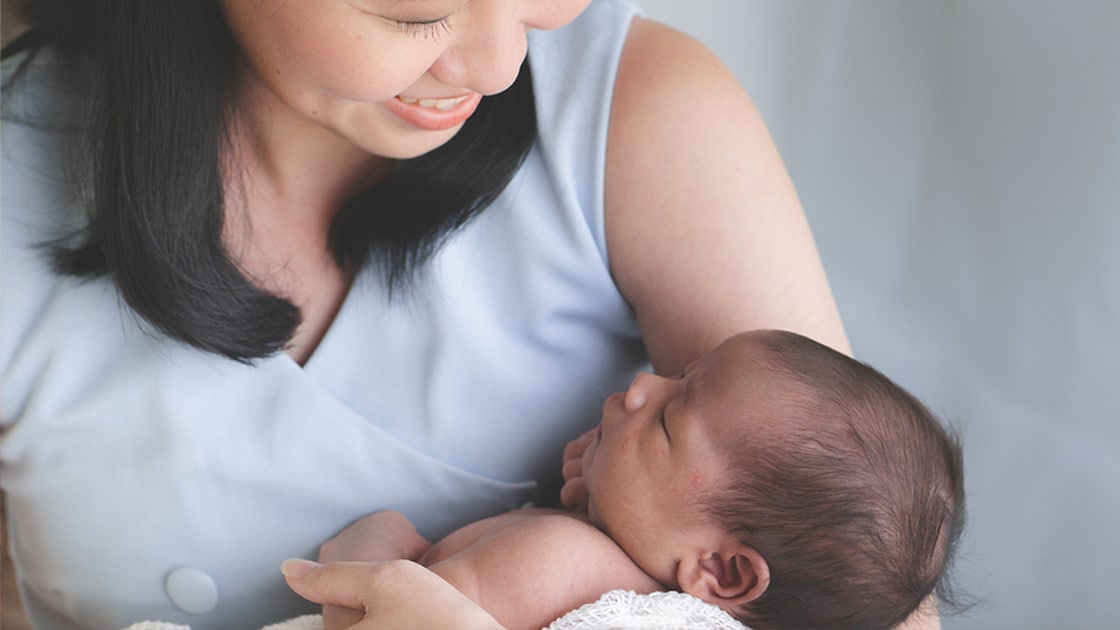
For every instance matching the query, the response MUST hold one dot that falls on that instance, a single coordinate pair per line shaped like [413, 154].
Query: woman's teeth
[438, 103]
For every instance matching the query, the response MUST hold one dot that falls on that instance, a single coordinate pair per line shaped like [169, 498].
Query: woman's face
[396, 78]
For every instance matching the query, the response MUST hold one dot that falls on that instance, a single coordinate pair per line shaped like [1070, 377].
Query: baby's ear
[728, 577]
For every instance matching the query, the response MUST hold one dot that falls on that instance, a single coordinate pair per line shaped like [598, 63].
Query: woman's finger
[393, 594]
[341, 617]
[338, 583]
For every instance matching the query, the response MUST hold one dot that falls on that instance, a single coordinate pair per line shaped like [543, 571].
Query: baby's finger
[572, 468]
[574, 494]
[576, 447]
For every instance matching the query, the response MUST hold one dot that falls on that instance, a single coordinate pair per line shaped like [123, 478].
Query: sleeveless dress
[149, 480]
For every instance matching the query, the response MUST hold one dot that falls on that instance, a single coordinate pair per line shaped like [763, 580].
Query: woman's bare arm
[925, 618]
[706, 234]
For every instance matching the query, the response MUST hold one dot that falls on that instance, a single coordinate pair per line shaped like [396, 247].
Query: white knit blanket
[615, 610]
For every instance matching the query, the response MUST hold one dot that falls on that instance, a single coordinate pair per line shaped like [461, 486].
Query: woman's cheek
[357, 65]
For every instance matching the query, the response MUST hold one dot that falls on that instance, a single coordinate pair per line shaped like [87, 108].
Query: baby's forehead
[744, 363]
[752, 397]
[752, 350]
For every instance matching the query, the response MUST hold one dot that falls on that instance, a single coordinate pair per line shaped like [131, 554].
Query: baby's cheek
[625, 445]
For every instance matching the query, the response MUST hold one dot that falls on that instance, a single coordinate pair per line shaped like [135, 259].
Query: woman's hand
[392, 594]
[381, 536]
[574, 492]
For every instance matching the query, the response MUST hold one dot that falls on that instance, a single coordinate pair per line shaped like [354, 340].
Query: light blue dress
[148, 480]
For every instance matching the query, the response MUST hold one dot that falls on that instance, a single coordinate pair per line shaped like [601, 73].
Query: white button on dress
[192, 590]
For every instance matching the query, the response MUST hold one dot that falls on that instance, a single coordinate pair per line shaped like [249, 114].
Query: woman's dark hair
[159, 79]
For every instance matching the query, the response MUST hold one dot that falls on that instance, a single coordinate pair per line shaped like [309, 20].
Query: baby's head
[855, 500]
[784, 481]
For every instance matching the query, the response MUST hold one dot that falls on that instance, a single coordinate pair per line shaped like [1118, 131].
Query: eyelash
[427, 28]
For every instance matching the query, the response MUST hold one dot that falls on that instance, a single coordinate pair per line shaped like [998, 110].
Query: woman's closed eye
[426, 28]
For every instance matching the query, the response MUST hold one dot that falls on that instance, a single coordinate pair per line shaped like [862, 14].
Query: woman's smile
[434, 114]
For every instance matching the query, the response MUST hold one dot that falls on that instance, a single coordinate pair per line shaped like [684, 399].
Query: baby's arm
[527, 568]
[384, 535]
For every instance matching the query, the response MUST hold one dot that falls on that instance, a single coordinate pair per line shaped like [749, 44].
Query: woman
[316, 259]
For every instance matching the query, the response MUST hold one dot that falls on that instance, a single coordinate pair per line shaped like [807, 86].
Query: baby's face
[662, 445]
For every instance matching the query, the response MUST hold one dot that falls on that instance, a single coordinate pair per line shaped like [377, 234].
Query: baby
[783, 481]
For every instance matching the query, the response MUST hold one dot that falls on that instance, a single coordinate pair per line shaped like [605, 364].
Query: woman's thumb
[337, 583]
[297, 567]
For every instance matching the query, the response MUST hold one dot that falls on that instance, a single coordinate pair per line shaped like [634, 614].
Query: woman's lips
[434, 114]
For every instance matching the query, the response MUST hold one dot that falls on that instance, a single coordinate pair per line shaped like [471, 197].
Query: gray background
[960, 164]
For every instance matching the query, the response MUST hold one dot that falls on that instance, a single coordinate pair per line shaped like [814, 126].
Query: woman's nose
[487, 59]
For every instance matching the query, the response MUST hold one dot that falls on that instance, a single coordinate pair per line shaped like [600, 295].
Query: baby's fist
[574, 492]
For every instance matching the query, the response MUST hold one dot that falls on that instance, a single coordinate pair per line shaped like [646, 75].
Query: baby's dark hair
[857, 504]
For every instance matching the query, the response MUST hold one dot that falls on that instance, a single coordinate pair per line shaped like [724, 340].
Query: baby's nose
[638, 393]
